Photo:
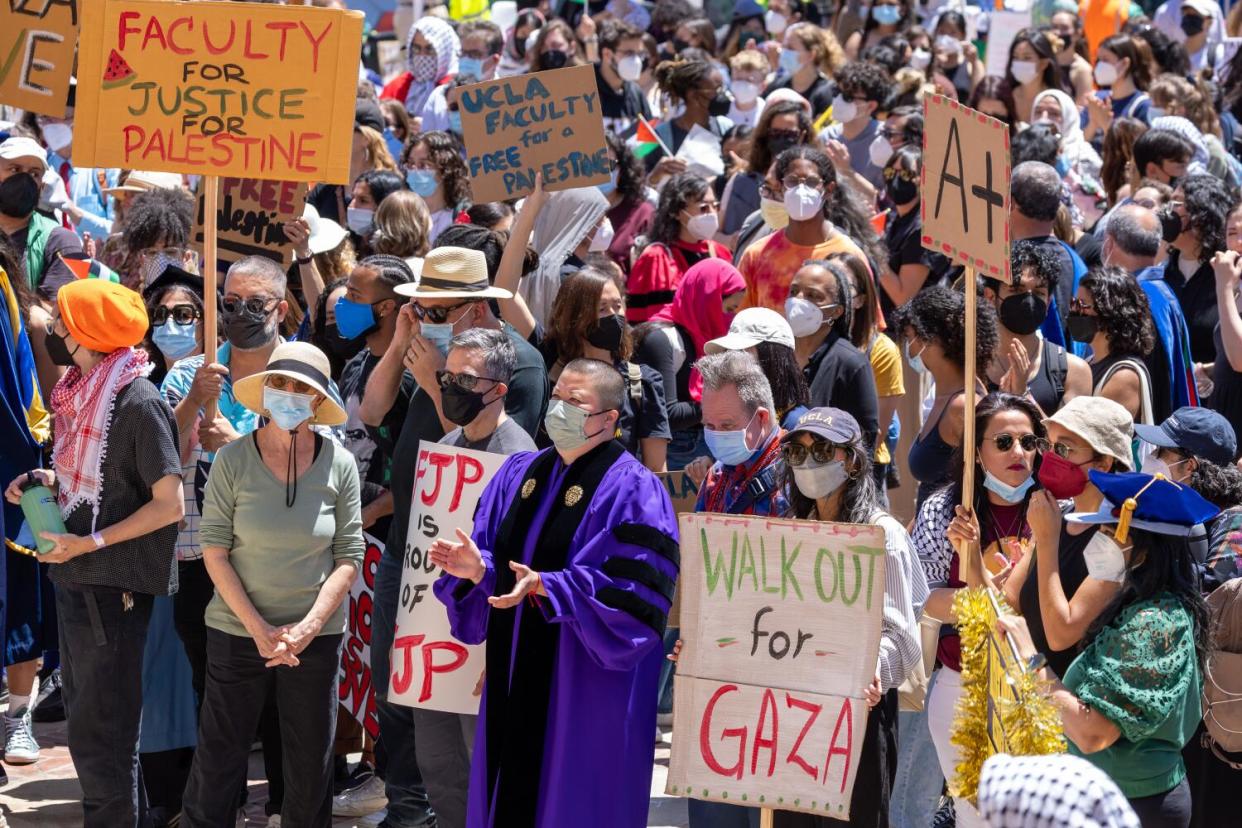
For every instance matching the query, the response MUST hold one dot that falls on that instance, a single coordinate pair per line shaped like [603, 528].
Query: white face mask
[57, 136]
[630, 68]
[1104, 558]
[843, 110]
[880, 151]
[602, 238]
[360, 219]
[820, 481]
[1024, 71]
[1105, 74]
[805, 317]
[703, 226]
[920, 59]
[745, 92]
[1153, 465]
[803, 202]
[775, 22]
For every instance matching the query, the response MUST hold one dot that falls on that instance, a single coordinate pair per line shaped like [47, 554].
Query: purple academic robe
[601, 704]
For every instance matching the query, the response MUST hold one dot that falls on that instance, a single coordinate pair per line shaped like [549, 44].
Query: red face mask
[1060, 477]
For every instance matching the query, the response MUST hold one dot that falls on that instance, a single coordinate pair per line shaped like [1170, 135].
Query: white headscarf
[447, 46]
[562, 225]
[1081, 155]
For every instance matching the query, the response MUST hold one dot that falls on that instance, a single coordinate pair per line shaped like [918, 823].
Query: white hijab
[1081, 155]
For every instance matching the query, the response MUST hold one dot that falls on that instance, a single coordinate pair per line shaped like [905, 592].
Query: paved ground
[46, 793]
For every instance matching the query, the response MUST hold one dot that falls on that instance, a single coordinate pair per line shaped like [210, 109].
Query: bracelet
[98, 538]
[305, 261]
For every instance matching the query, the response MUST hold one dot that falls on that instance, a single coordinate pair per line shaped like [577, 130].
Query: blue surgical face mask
[790, 63]
[729, 447]
[611, 184]
[470, 66]
[1062, 165]
[566, 425]
[440, 334]
[176, 341]
[354, 319]
[916, 361]
[1007, 493]
[454, 117]
[886, 15]
[422, 182]
[395, 144]
[286, 408]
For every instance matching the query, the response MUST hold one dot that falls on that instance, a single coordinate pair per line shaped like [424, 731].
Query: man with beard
[38, 239]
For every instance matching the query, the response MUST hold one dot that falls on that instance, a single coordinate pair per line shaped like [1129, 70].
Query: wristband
[98, 538]
[305, 261]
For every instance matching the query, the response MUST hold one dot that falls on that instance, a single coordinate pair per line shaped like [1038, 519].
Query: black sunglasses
[1004, 442]
[821, 451]
[466, 382]
[181, 314]
[254, 305]
[436, 316]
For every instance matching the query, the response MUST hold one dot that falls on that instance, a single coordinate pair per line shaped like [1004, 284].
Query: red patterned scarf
[83, 405]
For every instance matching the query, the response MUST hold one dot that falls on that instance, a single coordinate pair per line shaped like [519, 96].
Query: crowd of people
[773, 327]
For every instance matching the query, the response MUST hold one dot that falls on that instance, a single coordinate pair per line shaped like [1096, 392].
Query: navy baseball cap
[1199, 432]
[833, 424]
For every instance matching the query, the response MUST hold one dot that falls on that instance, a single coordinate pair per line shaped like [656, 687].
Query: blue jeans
[408, 805]
[919, 783]
[719, 815]
[667, 668]
[685, 447]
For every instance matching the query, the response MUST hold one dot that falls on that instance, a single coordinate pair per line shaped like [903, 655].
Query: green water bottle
[42, 512]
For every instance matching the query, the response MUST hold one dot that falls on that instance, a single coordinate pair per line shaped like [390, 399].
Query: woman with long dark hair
[782, 125]
[1130, 701]
[1031, 69]
[994, 97]
[1200, 208]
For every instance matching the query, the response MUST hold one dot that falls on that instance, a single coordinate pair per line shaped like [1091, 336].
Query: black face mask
[1170, 225]
[1023, 314]
[720, 105]
[246, 330]
[607, 333]
[780, 143]
[677, 44]
[901, 191]
[1082, 328]
[19, 195]
[461, 406]
[59, 352]
[1192, 25]
[553, 59]
[342, 349]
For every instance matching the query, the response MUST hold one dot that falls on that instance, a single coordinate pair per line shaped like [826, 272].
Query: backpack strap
[759, 487]
[634, 383]
[1135, 104]
[1058, 370]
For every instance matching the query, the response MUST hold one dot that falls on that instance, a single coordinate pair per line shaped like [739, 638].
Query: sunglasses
[466, 382]
[821, 451]
[181, 314]
[1004, 442]
[1058, 448]
[436, 316]
[253, 305]
[283, 383]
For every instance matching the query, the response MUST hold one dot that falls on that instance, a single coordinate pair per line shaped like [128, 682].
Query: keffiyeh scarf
[82, 405]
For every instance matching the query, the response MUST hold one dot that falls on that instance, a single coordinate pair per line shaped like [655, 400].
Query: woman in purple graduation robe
[568, 577]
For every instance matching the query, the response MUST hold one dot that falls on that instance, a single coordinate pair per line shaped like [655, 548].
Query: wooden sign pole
[971, 562]
[767, 818]
[211, 184]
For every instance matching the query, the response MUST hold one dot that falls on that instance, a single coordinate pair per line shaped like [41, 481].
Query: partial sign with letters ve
[37, 39]
[965, 187]
[780, 625]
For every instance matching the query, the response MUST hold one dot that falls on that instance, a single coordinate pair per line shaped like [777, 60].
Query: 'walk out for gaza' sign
[965, 186]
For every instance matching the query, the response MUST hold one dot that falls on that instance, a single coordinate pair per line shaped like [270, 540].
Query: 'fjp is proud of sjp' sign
[781, 635]
[248, 90]
[965, 186]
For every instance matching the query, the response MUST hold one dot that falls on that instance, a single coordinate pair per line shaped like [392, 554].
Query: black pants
[1170, 809]
[189, 606]
[102, 639]
[238, 684]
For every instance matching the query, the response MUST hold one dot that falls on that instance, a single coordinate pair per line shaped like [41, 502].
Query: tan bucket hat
[1106, 426]
[299, 361]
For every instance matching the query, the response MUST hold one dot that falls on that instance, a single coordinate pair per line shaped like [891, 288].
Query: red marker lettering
[403, 677]
[769, 703]
[458, 655]
[813, 709]
[705, 729]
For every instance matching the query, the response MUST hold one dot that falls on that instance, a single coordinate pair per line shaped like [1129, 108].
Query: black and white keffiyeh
[1059, 791]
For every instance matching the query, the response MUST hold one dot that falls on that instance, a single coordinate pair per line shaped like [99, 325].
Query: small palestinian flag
[84, 267]
[645, 140]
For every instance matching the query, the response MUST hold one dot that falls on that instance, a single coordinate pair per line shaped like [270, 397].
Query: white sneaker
[367, 798]
[273, 821]
[20, 747]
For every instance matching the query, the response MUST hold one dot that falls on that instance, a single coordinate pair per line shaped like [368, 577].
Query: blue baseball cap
[1199, 432]
[833, 424]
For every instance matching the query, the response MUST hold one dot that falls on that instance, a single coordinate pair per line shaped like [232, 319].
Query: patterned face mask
[423, 67]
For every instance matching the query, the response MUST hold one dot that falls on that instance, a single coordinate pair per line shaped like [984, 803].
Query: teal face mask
[287, 409]
[439, 334]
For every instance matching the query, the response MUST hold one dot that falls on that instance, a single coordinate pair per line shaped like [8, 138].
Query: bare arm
[1077, 379]
[384, 384]
[1228, 267]
[331, 594]
[298, 232]
[902, 286]
[655, 453]
[509, 274]
[887, 408]
[1125, 389]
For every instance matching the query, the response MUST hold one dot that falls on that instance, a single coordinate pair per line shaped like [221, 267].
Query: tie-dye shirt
[769, 265]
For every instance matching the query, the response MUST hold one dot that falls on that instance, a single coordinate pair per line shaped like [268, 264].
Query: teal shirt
[283, 555]
[1142, 674]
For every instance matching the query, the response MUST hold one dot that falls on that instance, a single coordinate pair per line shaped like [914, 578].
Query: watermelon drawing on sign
[118, 73]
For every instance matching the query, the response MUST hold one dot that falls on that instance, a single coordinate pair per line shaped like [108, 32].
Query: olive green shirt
[282, 554]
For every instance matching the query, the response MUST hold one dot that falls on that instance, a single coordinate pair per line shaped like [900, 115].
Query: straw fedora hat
[140, 181]
[454, 273]
[299, 361]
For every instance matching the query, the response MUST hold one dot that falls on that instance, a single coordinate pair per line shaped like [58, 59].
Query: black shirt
[1197, 296]
[655, 350]
[372, 447]
[1073, 568]
[903, 238]
[621, 109]
[526, 403]
[839, 375]
[1227, 395]
[820, 93]
[140, 449]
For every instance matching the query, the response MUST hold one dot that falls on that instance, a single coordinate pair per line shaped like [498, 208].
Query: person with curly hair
[1198, 213]
[810, 57]
[699, 87]
[824, 218]
[783, 125]
[629, 209]
[682, 235]
[436, 172]
[1111, 314]
[862, 92]
[932, 329]
[156, 234]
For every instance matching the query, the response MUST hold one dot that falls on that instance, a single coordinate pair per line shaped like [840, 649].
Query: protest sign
[248, 90]
[682, 490]
[546, 122]
[37, 39]
[965, 206]
[780, 637]
[356, 690]
[430, 668]
[249, 219]
[1003, 27]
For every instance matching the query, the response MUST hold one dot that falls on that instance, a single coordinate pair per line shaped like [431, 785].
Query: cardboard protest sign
[355, 688]
[545, 122]
[780, 633]
[249, 219]
[430, 668]
[37, 39]
[682, 491]
[254, 91]
[965, 186]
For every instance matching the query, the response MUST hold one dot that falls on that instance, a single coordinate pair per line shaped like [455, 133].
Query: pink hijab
[696, 306]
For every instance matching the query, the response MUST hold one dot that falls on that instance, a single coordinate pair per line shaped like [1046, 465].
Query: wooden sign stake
[767, 818]
[971, 563]
[211, 184]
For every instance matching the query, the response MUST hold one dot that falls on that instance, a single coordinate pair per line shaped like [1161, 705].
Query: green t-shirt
[283, 555]
[1142, 674]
